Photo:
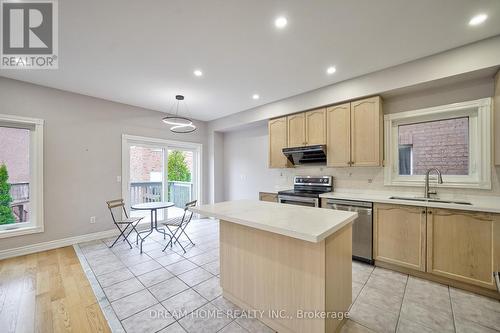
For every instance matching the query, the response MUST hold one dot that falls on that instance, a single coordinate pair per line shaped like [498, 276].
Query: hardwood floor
[48, 292]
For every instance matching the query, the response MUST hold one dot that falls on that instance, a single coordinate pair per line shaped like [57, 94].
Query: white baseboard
[28, 249]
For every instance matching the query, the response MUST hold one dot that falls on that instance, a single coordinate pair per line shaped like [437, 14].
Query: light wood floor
[47, 292]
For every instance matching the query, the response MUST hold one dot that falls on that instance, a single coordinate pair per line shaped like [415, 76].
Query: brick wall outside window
[443, 144]
[144, 161]
[14, 152]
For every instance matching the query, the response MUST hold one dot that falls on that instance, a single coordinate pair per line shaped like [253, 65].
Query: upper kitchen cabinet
[315, 127]
[366, 132]
[307, 128]
[277, 141]
[338, 122]
[463, 246]
[297, 130]
[354, 133]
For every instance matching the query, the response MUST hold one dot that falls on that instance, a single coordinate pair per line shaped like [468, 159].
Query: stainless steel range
[306, 190]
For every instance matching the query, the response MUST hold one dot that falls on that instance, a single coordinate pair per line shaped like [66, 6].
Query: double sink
[431, 200]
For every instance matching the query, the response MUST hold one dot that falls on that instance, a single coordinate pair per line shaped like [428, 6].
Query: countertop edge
[279, 231]
[374, 198]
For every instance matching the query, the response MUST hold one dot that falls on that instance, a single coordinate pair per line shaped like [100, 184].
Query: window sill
[20, 231]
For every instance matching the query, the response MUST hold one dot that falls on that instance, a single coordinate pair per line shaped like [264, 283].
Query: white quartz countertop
[489, 204]
[305, 223]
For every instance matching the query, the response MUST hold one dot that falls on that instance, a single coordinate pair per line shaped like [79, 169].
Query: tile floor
[158, 291]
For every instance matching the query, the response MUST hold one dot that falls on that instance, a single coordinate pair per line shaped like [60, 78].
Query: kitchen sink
[431, 200]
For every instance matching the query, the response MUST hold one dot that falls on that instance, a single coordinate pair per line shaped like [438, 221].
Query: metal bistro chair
[127, 222]
[180, 223]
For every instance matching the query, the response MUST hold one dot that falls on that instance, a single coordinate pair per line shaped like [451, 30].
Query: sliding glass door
[146, 176]
[159, 170]
[181, 178]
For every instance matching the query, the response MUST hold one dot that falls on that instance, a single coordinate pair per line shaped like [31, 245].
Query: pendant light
[179, 124]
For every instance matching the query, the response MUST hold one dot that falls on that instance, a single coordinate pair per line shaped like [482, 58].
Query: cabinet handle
[352, 162]
[423, 212]
[430, 212]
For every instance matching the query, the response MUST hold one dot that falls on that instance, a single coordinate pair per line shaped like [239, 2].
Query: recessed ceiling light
[255, 96]
[330, 70]
[198, 72]
[280, 22]
[478, 19]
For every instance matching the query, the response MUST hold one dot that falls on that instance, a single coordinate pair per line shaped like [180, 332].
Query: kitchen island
[289, 264]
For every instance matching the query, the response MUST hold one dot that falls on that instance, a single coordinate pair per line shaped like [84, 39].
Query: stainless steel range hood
[306, 155]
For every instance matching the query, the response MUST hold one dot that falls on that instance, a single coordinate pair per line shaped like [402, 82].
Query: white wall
[246, 150]
[246, 164]
[82, 154]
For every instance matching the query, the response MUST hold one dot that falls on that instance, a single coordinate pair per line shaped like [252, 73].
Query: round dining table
[153, 207]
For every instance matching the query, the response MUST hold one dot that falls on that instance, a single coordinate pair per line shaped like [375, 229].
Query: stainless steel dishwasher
[362, 227]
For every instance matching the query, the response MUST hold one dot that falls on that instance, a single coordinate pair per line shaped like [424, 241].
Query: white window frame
[480, 116]
[35, 225]
[156, 142]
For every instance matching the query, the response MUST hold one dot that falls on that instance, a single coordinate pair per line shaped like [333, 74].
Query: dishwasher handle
[359, 210]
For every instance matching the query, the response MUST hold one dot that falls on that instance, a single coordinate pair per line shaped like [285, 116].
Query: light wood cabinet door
[316, 127]
[277, 141]
[399, 235]
[297, 130]
[463, 245]
[366, 132]
[338, 133]
[270, 197]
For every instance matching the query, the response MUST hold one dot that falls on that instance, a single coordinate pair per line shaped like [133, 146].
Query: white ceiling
[144, 52]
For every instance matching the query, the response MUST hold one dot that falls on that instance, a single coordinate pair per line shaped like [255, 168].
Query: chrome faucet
[427, 191]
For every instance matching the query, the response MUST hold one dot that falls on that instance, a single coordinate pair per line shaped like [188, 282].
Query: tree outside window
[179, 177]
[6, 215]
[178, 169]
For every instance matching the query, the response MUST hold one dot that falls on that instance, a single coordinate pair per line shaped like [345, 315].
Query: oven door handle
[298, 199]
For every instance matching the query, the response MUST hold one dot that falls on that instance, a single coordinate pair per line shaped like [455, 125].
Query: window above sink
[455, 138]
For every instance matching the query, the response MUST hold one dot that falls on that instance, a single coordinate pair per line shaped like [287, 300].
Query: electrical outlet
[92, 219]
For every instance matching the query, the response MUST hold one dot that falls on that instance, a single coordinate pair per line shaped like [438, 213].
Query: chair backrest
[186, 208]
[115, 204]
[190, 204]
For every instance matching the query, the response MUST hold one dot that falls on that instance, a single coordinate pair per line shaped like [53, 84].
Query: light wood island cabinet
[273, 262]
